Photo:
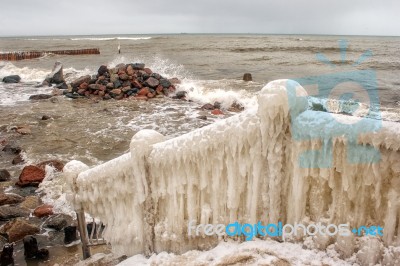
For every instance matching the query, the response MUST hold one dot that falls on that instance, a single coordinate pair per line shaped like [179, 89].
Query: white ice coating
[245, 169]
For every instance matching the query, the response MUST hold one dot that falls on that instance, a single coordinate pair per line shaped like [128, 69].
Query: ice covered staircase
[245, 168]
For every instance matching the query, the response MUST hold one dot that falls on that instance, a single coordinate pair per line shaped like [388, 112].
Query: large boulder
[12, 79]
[56, 76]
[31, 176]
[58, 221]
[17, 229]
[76, 83]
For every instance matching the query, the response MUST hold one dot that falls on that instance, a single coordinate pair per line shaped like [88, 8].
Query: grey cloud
[49, 17]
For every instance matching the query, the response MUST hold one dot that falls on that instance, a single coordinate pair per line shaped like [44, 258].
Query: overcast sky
[50, 17]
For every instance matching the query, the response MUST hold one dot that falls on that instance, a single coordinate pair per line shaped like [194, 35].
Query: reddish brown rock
[116, 91]
[43, 210]
[53, 163]
[84, 86]
[150, 95]
[144, 91]
[81, 91]
[87, 93]
[152, 82]
[171, 89]
[148, 71]
[31, 176]
[217, 112]
[102, 93]
[129, 70]
[136, 84]
[76, 83]
[159, 88]
[17, 229]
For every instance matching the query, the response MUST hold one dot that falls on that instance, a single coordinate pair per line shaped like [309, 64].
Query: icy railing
[245, 169]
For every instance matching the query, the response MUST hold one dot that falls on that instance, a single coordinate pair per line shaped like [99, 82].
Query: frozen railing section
[247, 168]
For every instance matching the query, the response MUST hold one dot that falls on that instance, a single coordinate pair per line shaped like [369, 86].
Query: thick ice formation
[245, 168]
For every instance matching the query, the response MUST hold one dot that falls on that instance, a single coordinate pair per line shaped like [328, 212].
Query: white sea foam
[109, 38]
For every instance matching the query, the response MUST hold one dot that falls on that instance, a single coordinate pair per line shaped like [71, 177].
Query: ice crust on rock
[245, 168]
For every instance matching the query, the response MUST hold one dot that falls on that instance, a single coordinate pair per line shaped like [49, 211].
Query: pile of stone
[124, 81]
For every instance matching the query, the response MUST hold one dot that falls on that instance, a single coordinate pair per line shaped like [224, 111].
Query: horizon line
[198, 33]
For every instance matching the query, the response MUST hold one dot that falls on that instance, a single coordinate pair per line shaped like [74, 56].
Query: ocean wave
[110, 38]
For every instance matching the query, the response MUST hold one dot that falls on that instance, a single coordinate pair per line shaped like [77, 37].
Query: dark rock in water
[152, 82]
[9, 212]
[30, 247]
[102, 70]
[6, 257]
[156, 76]
[62, 86]
[17, 159]
[31, 176]
[202, 117]
[17, 229]
[12, 79]
[165, 83]
[4, 175]
[40, 97]
[11, 149]
[117, 84]
[70, 234]
[217, 105]
[72, 95]
[208, 106]
[318, 107]
[138, 66]
[180, 95]
[43, 254]
[46, 117]
[80, 80]
[32, 251]
[247, 77]
[56, 76]
[10, 198]
[58, 221]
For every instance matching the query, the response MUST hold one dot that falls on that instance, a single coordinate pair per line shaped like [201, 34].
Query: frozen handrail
[244, 168]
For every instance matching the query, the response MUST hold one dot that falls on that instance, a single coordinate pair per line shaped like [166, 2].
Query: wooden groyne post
[15, 56]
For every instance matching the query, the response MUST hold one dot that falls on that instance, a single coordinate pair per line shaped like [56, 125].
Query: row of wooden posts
[14, 56]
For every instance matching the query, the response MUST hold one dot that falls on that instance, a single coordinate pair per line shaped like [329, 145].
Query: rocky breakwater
[133, 81]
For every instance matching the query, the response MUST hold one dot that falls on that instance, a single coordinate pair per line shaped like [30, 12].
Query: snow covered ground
[258, 252]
